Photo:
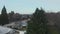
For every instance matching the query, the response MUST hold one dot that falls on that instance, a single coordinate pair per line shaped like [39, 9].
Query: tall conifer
[4, 16]
[38, 23]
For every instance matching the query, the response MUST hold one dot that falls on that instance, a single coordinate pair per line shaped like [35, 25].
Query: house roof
[4, 30]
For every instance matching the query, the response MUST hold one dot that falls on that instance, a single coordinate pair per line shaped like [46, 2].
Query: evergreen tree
[12, 13]
[4, 16]
[38, 23]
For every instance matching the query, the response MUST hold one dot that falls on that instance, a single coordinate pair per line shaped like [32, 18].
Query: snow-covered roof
[23, 23]
[4, 30]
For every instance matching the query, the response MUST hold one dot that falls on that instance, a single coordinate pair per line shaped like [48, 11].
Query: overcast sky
[29, 6]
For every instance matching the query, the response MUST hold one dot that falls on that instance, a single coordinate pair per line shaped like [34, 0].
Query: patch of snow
[4, 30]
[22, 32]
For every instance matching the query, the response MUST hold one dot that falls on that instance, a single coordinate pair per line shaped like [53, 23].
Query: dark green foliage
[12, 13]
[38, 23]
[4, 17]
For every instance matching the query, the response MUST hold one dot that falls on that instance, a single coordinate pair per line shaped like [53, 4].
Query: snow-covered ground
[22, 32]
[4, 30]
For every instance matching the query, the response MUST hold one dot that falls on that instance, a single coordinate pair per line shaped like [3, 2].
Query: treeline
[6, 18]
[12, 17]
